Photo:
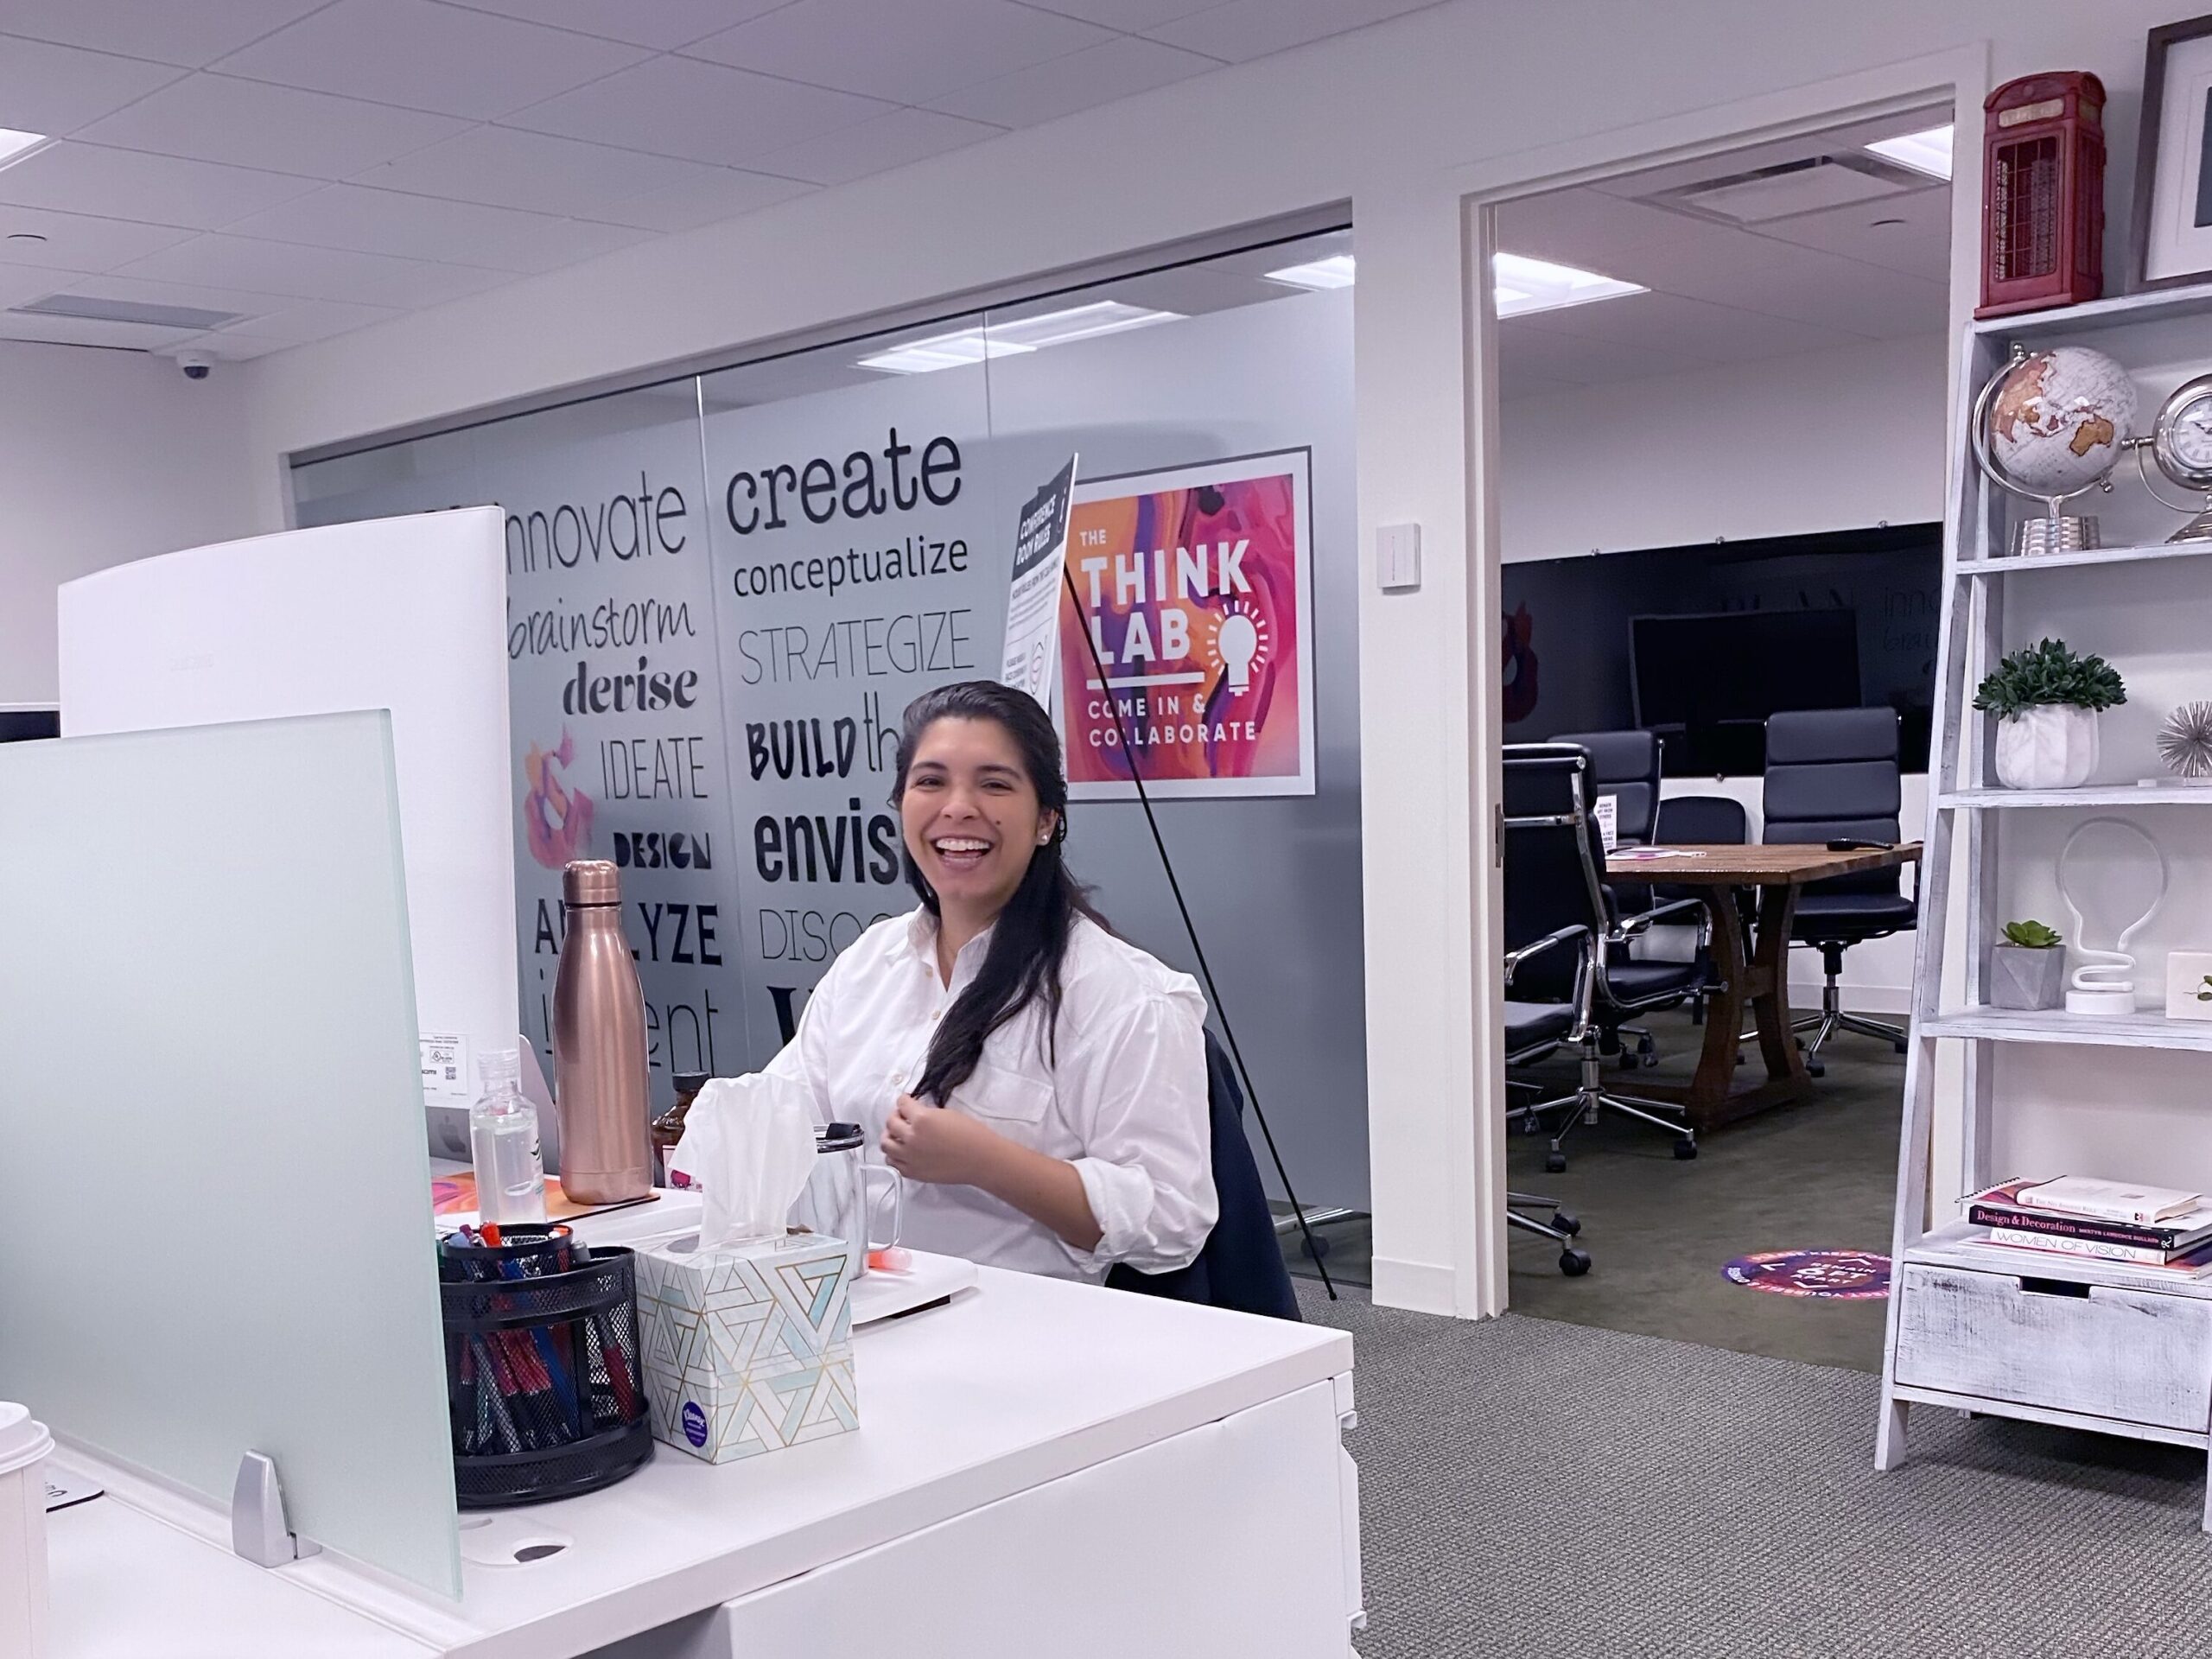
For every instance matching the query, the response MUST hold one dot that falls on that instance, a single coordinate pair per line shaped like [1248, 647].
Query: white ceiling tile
[1837, 293]
[906, 53]
[188, 32]
[20, 284]
[1131, 15]
[295, 323]
[1584, 227]
[426, 227]
[313, 273]
[79, 241]
[54, 90]
[249, 123]
[664, 24]
[1713, 333]
[1098, 74]
[505, 167]
[429, 57]
[686, 206]
[85, 331]
[876, 146]
[1920, 245]
[1243, 29]
[227, 347]
[1578, 361]
[700, 111]
[137, 184]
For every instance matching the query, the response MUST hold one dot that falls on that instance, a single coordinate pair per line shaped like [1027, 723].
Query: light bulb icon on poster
[1239, 643]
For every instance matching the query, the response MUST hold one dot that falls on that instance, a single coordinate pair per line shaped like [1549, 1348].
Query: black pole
[1213, 991]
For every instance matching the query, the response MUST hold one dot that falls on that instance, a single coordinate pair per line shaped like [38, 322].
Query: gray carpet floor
[1817, 1176]
[1534, 1487]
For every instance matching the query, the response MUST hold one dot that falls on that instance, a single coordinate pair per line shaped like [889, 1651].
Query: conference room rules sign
[1185, 653]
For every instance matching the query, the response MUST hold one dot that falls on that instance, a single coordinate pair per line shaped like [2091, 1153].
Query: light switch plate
[1397, 558]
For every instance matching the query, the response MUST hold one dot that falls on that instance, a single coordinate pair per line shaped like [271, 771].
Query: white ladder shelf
[2071, 1341]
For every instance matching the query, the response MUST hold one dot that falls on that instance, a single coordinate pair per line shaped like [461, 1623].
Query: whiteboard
[407, 615]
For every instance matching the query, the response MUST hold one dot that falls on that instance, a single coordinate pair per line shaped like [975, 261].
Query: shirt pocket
[1015, 1105]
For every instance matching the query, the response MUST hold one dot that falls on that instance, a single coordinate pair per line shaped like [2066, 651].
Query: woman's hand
[929, 1143]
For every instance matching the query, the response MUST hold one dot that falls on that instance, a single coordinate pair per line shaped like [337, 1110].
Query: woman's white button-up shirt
[1120, 1092]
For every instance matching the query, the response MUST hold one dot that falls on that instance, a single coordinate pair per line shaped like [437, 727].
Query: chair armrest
[1629, 926]
[1536, 947]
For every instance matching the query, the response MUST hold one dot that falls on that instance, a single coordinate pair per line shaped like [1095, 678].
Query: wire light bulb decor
[2185, 742]
[2104, 982]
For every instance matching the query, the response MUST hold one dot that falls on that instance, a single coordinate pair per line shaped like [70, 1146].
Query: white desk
[1125, 1467]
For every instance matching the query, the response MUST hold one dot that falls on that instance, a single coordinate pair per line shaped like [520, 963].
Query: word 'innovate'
[758, 500]
[627, 526]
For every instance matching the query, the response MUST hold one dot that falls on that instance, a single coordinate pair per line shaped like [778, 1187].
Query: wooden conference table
[1726, 878]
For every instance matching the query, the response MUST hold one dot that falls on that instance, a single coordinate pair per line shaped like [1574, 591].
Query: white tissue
[749, 1142]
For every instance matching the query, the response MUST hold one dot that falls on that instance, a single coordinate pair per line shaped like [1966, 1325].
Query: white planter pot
[2051, 746]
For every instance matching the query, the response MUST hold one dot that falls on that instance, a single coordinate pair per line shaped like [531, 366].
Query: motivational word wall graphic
[1193, 591]
[858, 561]
[614, 710]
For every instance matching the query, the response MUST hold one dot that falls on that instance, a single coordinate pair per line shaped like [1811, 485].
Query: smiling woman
[1041, 1084]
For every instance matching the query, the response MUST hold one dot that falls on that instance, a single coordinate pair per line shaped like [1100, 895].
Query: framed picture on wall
[2172, 231]
[1187, 641]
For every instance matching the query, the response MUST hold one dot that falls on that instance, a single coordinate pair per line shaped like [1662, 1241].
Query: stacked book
[2149, 1227]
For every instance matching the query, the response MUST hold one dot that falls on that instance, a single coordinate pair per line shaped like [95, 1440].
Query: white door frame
[1429, 454]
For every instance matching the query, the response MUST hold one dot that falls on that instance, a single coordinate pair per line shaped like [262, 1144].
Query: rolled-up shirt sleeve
[1135, 1084]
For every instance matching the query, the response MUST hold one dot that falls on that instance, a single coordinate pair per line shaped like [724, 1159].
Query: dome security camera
[196, 365]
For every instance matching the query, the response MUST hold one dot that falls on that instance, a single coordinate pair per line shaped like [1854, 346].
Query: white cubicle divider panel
[408, 614]
[215, 1237]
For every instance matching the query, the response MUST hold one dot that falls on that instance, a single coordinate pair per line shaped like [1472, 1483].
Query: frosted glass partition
[216, 1230]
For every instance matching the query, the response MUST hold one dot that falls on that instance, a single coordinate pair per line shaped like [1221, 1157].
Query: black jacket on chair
[1240, 1266]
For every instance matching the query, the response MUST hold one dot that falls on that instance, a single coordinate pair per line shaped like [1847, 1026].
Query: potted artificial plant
[2046, 701]
[2028, 971]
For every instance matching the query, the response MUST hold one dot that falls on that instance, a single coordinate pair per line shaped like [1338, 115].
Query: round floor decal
[1851, 1275]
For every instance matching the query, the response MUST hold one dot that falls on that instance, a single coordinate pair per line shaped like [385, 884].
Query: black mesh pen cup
[543, 1380]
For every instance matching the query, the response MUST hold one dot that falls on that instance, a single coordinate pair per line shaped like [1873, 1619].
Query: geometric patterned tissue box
[749, 1350]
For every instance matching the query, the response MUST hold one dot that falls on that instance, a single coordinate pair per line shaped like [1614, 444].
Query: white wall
[105, 456]
[1404, 120]
[1830, 440]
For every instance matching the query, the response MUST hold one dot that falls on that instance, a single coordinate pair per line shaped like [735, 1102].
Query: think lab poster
[1184, 646]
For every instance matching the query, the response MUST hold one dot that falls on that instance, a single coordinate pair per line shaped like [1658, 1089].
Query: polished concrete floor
[1818, 1176]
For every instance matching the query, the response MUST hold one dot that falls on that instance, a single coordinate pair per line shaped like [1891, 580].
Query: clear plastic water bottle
[503, 1142]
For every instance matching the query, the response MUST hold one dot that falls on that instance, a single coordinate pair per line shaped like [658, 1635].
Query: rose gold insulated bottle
[599, 1044]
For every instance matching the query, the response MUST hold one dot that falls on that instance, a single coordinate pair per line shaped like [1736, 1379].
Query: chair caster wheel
[1648, 1061]
[1574, 1264]
[1317, 1247]
[1816, 1067]
[1898, 1047]
[1629, 1062]
[1554, 1162]
[1566, 1221]
[1685, 1149]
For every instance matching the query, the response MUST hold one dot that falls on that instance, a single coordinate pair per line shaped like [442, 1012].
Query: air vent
[1794, 188]
[90, 309]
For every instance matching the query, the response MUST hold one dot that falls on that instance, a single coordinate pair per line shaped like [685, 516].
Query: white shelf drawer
[2131, 1356]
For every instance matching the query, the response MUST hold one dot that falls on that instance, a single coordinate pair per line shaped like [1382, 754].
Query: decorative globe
[2058, 420]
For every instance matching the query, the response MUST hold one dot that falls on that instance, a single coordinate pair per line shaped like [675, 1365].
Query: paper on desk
[1641, 854]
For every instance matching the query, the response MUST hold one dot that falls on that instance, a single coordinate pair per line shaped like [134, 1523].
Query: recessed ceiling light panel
[1010, 338]
[1336, 271]
[1524, 285]
[19, 146]
[1928, 152]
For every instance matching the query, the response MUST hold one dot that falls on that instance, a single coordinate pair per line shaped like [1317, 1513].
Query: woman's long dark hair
[1030, 938]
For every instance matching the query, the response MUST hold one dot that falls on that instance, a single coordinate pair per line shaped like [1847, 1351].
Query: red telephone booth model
[2042, 194]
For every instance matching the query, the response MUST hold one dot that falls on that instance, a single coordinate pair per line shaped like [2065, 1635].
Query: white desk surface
[1021, 1382]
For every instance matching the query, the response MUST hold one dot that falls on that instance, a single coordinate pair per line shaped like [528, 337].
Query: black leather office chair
[1240, 1266]
[1553, 862]
[1625, 765]
[1699, 821]
[1534, 1030]
[1832, 774]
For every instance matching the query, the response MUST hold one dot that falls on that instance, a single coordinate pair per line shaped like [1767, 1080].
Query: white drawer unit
[2134, 1357]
